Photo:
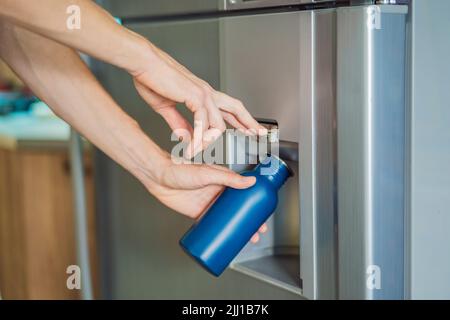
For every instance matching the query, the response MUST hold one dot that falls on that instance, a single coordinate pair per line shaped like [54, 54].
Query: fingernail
[189, 152]
[248, 180]
[255, 238]
[263, 131]
[263, 228]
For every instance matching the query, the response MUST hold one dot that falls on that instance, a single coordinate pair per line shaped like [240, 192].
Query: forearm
[99, 35]
[59, 77]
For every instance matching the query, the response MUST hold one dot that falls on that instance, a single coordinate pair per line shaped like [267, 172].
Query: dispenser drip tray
[280, 268]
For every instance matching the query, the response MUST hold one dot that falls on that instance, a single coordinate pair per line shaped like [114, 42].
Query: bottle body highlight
[235, 217]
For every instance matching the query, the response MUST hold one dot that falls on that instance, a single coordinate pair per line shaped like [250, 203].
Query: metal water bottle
[221, 233]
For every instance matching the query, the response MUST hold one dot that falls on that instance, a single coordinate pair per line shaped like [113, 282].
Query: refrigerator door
[429, 220]
[282, 66]
[159, 8]
[371, 117]
[255, 4]
[334, 81]
[139, 236]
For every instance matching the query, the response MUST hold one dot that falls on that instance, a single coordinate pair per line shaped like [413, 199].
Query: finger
[201, 124]
[231, 119]
[179, 125]
[209, 175]
[254, 238]
[263, 228]
[153, 99]
[199, 176]
[236, 108]
[216, 123]
[209, 136]
[219, 167]
[214, 115]
[166, 108]
[209, 195]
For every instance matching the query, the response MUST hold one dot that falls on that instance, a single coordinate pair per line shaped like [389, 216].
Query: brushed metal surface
[141, 257]
[260, 67]
[429, 221]
[283, 68]
[168, 8]
[251, 4]
[155, 8]
[279, 247]
[371, 151]
[317, 154]
[277, 269]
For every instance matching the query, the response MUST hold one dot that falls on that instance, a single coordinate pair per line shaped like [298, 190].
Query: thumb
[227, 178]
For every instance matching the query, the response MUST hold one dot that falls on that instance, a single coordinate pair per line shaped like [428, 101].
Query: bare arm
[99, 35]
[160, 80]
[58, 76]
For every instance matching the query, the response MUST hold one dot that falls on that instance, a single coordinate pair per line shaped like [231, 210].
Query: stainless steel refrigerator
[359, 92]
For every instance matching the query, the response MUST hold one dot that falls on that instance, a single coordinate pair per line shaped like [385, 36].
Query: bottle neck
[274, 170]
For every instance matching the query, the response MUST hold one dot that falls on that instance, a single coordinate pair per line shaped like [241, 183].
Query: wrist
[142, 53]
[143, 158]
[149, 164]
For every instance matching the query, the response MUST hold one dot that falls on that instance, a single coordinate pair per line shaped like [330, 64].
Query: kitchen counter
[26, 130]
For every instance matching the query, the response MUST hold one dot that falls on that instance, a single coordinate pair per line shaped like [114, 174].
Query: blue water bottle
[235, 217]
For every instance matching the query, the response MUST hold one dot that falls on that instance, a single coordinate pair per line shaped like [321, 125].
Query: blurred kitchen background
[37, 229]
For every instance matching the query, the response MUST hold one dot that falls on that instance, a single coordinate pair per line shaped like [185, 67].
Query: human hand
[162, 83]
[191, 188]
[88, 108]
